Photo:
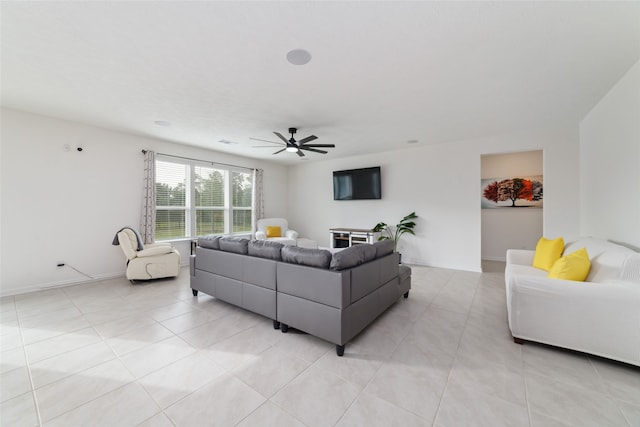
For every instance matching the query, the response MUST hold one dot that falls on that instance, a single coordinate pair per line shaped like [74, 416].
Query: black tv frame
[375, 191]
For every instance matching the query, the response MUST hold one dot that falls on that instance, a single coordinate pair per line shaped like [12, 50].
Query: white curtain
[258, 200]
[148, 218]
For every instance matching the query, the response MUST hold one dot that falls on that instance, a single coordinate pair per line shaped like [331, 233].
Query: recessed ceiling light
[412, 141]
[298, 56]
[162, 123]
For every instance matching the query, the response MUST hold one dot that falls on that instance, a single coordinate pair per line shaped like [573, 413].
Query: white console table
[347, 237]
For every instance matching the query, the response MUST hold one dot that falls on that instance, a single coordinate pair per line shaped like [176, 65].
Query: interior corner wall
[442, 184]
[65, 206]
[510, 228]
[610, 164]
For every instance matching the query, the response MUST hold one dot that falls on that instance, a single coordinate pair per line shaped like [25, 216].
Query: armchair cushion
[128, 243]
[291, 234]
[274, 231]
[156, 250]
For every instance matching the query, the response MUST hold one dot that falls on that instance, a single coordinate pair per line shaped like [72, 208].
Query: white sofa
[288, 237]
[600, 316]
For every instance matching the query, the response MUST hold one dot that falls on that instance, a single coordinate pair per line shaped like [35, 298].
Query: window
[241, 198]
[194, 199]
[172, 212]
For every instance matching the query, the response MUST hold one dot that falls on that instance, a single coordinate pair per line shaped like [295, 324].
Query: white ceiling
[381, 73]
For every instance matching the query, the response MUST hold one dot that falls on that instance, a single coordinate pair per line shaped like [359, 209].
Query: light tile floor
[151, 354]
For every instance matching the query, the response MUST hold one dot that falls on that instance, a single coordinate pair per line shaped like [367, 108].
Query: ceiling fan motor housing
[292, 131]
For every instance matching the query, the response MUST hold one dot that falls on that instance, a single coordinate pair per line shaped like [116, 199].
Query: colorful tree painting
[513, 189]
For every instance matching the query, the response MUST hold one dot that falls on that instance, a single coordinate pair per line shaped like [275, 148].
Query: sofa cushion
[547, 252]
[211, 241]
[404, 272]
[311, 257]
[350, 257]
[265, 249]
[574, 266]
[383, 247]
[234, 244]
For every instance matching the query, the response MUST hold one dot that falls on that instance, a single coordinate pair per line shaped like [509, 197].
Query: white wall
[506, 228]
[67, 206]
[610, 164]
[442, 184]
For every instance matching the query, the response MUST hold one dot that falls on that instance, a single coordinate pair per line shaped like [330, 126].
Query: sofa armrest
[157, 250]
[520, 256]
[291, 234]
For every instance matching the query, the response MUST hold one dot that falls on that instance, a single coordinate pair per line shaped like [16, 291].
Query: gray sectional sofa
[333, 297]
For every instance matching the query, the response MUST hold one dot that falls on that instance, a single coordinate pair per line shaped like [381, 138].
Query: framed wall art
[516, 192]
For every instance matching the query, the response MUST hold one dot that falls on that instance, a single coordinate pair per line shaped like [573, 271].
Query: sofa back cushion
[353, 256]
[265, 249]
[383, 247]
[235, 245]
[631, 268]
[211, 241]
[607, 258]
[303, 256]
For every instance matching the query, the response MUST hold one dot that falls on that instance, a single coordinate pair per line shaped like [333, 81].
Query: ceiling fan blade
[313, 149]
[264, 140]
[300, 153]
[307, 139]
[279, 151]
[321, 145]
[279, 135]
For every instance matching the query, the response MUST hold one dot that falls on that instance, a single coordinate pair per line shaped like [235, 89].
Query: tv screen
[357, 184]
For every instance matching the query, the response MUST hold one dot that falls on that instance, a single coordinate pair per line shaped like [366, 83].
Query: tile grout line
[455, 358]
[34, 396]
[607, 391]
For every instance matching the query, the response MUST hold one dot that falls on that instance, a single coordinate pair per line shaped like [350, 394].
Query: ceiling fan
[293, 146]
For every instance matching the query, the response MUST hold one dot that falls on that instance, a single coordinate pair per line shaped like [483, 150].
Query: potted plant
[405, 225]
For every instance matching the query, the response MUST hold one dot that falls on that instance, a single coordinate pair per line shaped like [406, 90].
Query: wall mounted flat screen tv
[357, 184]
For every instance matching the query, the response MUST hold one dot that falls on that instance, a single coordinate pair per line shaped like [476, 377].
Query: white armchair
[153, 261]
[268, 230]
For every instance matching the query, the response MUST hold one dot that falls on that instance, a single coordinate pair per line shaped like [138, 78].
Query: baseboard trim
[494, 258]
[61, 284]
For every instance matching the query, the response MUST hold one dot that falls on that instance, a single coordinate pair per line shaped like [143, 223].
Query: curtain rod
[200, 160]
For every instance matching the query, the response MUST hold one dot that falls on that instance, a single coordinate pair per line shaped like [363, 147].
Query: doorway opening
[511, 205]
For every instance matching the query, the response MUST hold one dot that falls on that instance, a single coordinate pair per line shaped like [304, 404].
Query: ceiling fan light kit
[293, 146]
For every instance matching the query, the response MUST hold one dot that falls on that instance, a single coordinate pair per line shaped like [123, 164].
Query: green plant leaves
[405, 225]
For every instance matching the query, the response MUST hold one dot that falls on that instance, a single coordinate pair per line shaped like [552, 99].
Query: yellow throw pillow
[547, 252]
[273, 231]
[574, 266]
